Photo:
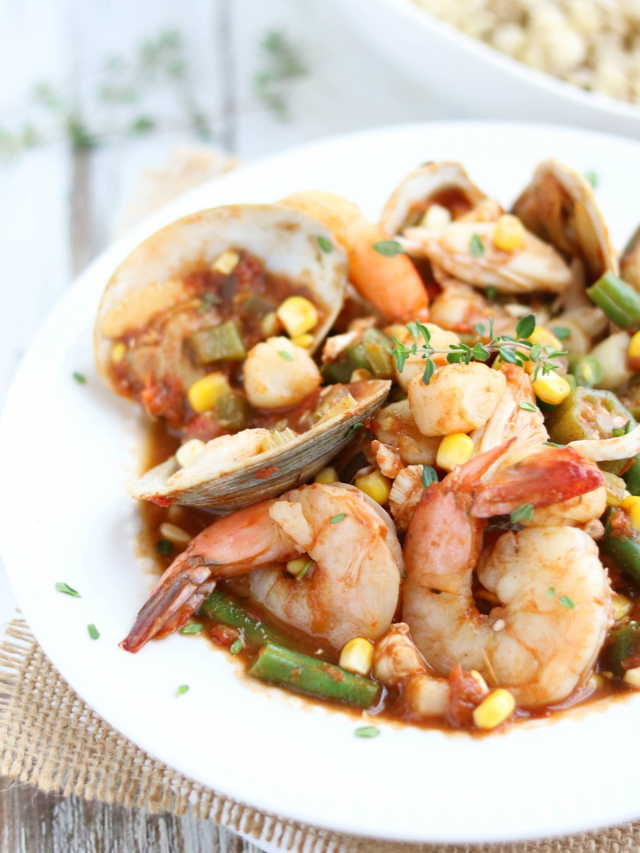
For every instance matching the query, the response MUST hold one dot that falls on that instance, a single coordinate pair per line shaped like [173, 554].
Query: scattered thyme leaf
[285, 355]
[388, 248]
[592, 177]
[567, 602]
[525, 326]
[236, 647]
[551, 592]
[93, 632]
[68, 590]
[337, 518]
[324, 244]
[528, 407]
[184, 688]
[367, 731]
[429, 475]
[522, 513]
[353, 429]
[80, 379]
[476, 246]
[561, 332]
[191, 628]
[163, 547]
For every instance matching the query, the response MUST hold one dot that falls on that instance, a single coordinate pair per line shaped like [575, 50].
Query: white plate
[64, 516]
[477, 77]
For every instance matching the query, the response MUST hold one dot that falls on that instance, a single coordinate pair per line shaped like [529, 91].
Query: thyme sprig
[518, 350]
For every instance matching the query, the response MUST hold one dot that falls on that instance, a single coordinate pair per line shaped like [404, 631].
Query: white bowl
[474, 76]
[66, 450]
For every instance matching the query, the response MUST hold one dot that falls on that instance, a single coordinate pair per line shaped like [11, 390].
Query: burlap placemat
[50, 738]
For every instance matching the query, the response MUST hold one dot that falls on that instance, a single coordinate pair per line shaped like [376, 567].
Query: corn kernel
[360, 374]
[204, 394]
[118, 352]
[454, 450]
[357, 655]
[436, 217]
[327, 475]
[226, 262]
[270, 325]
[631, 506]
[597, 681]
[298, 565]
[494, 709]
[634, 346]
[175, 534]
[552, 388]
[304, 341]
[189, 452]
[621, 607]
[632, 678]
[541, 335]
[509, 233]
[376, 485]
[297, 315]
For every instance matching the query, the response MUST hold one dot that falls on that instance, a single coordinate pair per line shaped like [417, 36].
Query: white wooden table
[59, 208]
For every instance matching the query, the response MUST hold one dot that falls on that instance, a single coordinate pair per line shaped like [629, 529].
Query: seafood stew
[456, 542]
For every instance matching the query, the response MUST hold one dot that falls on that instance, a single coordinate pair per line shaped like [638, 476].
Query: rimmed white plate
[65, 452]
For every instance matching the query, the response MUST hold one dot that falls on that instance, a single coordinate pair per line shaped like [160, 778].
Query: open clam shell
[268, 474]
[446, 184]
[560, 207]
[289, 244]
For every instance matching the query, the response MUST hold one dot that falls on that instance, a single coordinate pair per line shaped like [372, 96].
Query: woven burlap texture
[51, 739]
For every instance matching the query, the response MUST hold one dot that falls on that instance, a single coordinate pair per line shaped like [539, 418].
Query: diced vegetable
[617, 300]
[304, 341]
[590, 414]
[305, 674]
[357, 656]
[436, 216]
[622, 542]
[327, 475]
[634, 347]
[542, 335]
[622, 607]
[223, 608]
[631, 506]
[616, 489]
[494, 709]
[205, 393]
[612, 355]
[297, 315]
[357, 356]
[380, 361]
[376, 485]
[118, 352]
[336, 372]
[226, 262]
[586, 370]
[233, 412]
[256, 307]
[622, 644]
[454, 449]
[219, 343]
[189, 452]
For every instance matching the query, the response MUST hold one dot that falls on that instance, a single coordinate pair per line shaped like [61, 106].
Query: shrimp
[534, 266]
[555, 601]
[350, 590]
[391, 284]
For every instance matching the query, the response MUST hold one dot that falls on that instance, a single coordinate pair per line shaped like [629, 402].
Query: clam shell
[420, 185]
[559, 206]
[270, 473]
[285, 240]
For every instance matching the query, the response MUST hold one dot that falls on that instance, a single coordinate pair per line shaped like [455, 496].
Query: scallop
[236, 470]
[150, 280]
[560, 207]
[446, 185]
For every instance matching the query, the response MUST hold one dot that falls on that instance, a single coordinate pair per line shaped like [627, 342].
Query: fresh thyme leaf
[80, 379]
[525, 326]
[285, 355]
[535, 352]
[528, 407]
[93, 632]
[367, 731]
[191, 628]
[337, 518]
[236, 647]
[324, 244]
[429, 475]
[522, 513]
[507, 354]
[480, 329]
[480, 352]
[68, 590]
[551, 592]
[184, 688]
[388, 248]
[567, 602]
[628, 427]
[592, 177]
[163, 547]
[353, 429]
[426, 334]
[561, 332]
[283, 65]
[616, 432]
[414, 331]
[429, 370]
[475, 246]
[455, 357]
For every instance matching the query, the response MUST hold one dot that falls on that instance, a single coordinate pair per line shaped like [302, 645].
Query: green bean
[618, 301]
[632, 477]
[336, 372]
[223, 608]
[622, 543]
[622, 644]
[218, 343]
[314, 677]
[357, 356]
[586, 370]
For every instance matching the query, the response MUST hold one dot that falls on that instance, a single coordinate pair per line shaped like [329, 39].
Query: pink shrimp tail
[542, 479]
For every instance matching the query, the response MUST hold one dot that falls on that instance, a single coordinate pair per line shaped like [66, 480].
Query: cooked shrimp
[534, 266]
[555, 600]
[350, 590]
[391, 284]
